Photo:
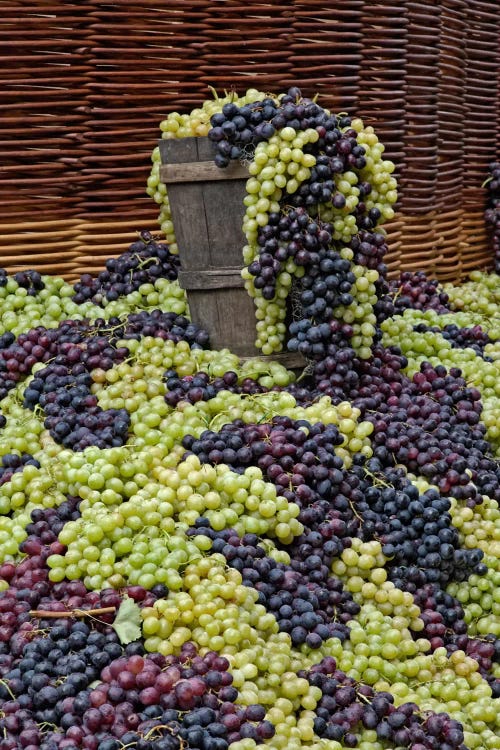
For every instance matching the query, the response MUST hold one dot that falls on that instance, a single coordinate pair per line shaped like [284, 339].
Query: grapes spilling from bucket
[318, 191]
[208, 553]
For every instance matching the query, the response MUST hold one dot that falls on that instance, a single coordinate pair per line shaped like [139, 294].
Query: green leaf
[127, 624]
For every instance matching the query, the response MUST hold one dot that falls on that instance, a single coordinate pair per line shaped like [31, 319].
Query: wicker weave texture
[84, 86]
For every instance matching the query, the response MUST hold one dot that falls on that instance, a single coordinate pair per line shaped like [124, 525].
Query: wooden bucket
[206, 203]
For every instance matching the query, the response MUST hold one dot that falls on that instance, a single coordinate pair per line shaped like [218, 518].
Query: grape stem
[73, 613]
[6, 686]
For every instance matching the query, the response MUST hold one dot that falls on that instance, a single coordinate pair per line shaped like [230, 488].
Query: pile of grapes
[318, 193]
[199, 552]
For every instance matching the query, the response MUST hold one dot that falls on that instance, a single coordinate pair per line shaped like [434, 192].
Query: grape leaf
[127, 624]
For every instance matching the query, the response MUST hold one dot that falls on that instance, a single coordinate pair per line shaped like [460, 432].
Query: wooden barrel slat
[207, 215]
[200, 172]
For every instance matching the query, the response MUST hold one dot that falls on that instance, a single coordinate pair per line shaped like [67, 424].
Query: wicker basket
[85, 85]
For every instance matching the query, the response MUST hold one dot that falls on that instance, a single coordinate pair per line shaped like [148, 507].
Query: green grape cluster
[378, 646]
[24, 431]
[21, 311]
[162, 295]
[193, 124]
[451, 684]
[480, 598]
[480, 295]
[27, 490]
[214, 609]
[135, 531]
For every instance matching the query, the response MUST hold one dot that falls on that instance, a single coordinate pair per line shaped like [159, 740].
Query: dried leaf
[127, 623]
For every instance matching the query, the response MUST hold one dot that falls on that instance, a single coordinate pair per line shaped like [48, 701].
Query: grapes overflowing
[317, 195]
[289, 574]
[202, 552]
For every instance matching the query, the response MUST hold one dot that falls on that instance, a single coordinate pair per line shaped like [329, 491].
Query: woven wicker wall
[84, 85]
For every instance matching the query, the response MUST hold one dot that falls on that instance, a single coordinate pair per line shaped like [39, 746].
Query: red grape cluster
[443, 617]
[186, 701]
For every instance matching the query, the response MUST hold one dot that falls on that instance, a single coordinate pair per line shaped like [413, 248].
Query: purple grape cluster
[46, 523]
[412, 290]
[492, 213]
[30, 280]
[308, 602]
[145, 261]
[11, 462]
[294, 235]
[420, 541]
[443, 617]
[338, 374]
[75, 348]
[63, 390]
[431, 425]
[485, 651]
[370, 246]
[17, 356]
[237, 130]
[326, 283]
[297, 457]
[202, 387]
[70, 651]
[415, 530]
[474, 338]
[346, 705]
[28, 580]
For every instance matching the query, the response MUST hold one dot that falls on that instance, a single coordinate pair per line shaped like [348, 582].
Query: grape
[144, 262]
[311, 607]
[411, 291]
[491, 214]
[310, 562]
